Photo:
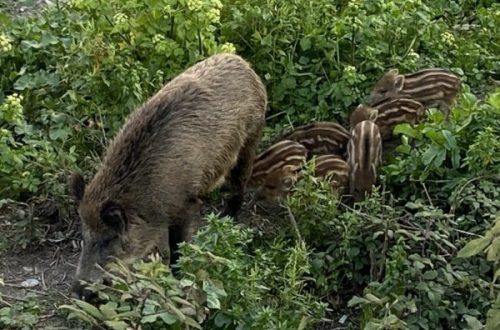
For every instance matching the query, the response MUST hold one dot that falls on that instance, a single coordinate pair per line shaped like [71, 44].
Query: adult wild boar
[198, 130]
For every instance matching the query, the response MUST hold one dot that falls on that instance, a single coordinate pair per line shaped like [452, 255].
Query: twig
[408, 50]
[44, 286]
[119, 33]
[276, 115]
[465, 232]
[12, 298]
[294, 223]
[427, 194]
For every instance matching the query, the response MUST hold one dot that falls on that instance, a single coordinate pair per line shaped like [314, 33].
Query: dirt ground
[52, 267]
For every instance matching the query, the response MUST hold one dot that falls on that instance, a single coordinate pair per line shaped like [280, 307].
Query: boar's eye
[112, 214]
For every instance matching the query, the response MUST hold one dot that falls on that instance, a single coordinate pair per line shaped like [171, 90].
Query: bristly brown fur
[320, 138]
[199, 129]
[335, 169]
[430, 87]
[276, 169]
[389, 114]
[364, 156]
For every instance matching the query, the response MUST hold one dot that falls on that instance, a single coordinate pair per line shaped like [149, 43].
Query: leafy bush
[490, 244]
[320, 58]
[72, 73]
[148, 297]
[242, 282]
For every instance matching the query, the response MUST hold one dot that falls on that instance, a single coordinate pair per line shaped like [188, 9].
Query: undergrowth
[71, 74]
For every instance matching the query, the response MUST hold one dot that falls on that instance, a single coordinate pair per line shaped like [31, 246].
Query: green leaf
[305, 43]
[473, 323]
[221, 320]
[117, 325]
[167, 318]
[48, 39]
[149, 318]
[22, 83]
[75, 313]
[31, 44]
[450, 143]
[372, 298]
[108, 310]
[406, 129]
[474, 247]
[356, 301]
[493, 253]
[430, 275]
[59, 134]
[85, 306]
[493, 321]
[428, 156]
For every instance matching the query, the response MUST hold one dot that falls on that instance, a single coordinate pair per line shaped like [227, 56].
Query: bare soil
[52, 267]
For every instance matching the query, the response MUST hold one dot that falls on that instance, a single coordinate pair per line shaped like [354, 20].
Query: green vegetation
[73, 72]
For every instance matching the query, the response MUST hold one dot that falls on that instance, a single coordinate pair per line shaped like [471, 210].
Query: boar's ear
[399, 82]
[113, 215]
[76, 185]
[393, 72]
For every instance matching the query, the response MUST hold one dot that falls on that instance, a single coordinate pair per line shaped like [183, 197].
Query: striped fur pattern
[334, 168]
[321, 138]
[276, 169]
[364, 156]
[431, 87]
[389, 114]
[361, 113]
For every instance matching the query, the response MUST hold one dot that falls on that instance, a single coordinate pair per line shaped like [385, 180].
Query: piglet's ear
[373, 115]
[113, 215]
[393, 72]
[76, 185]
[399, 82]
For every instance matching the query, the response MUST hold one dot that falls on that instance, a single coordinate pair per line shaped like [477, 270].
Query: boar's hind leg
[240, 175]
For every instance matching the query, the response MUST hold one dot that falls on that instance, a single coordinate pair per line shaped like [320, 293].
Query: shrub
[231, 280]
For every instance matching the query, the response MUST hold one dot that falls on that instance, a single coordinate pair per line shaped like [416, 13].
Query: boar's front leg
[239, 176]
[184, 231]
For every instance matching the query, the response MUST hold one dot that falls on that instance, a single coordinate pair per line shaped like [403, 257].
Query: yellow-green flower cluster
[213, 15]
[5, 44]
[228, 48]
[12, 110]
[120, 19]
[447, 38]
[158, 38]
[194, 5]
[349, 70]
[354, 5]
[167, 9]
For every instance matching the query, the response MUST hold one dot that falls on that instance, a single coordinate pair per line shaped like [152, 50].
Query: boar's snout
[81, 291]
